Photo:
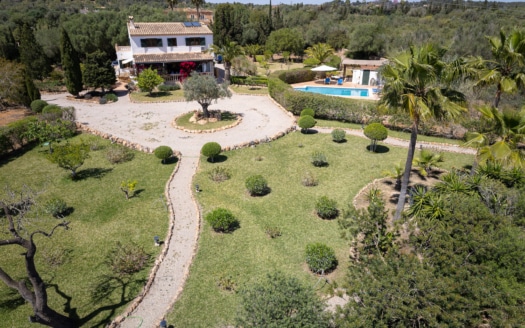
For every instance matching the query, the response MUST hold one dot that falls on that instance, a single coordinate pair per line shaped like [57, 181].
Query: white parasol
[324, 68]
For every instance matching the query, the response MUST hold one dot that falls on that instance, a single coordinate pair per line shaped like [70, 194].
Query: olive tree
[17, 232]
[204, 89]
[375, 132]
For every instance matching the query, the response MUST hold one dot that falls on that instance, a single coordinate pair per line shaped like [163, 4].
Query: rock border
[234, 124]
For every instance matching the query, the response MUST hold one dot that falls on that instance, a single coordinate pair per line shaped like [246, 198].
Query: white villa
[164, 46]
[364, 72]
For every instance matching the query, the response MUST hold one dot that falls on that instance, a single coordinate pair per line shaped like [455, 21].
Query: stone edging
[153, 273]
[174, 124]
[120, 141]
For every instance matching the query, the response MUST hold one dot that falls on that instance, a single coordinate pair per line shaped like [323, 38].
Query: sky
[306, 2]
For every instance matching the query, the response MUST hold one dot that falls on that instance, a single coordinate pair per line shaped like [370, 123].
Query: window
[172, 42]
[150, 43]
[195, 42]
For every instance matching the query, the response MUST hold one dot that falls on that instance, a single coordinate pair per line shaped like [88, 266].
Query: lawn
[249, 90]
[248, 253]
[391, 133]
[72, 261]
[160, 96]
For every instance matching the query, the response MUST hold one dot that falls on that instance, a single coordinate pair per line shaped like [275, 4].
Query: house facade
[363, 72]
[168, 48]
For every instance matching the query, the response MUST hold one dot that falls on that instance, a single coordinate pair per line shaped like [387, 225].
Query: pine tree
[32, 55]
[31, 91]
[71, 65]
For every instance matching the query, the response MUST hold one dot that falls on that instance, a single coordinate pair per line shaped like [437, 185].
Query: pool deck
[333, 84]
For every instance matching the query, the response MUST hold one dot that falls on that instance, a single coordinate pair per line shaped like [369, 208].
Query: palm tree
[507, 70]
[426, 161]
[228, 51]
[198, 4]
[501, 144]
[320, 51]
[418, 82]
[253, 50]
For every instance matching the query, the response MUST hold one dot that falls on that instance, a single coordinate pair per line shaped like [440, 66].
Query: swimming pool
[347, 92]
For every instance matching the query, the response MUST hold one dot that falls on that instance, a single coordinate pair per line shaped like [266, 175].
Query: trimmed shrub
[5, 141]
[103, 100]
[257, 185]
[222, 220]
[51, 109]
[338, 135]
[168, 87]
[55, 207]
[126, 259]
[309, 180]
[211, 150]
[88, 96]
[38, 105]
[319, 159]
[219, 174]
[375, 132]
[117, 154]
[17, 131]
[320, 258]
[163, 153]
[111, 97]
[306, 122]
[308, 111]
[326, 208]
[297, 76]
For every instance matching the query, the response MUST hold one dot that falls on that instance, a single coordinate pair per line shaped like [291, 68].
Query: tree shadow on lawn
[95, 172]
[171, 160]
[101, 292]
[159, 94]
[218, 159]
[309, 131]
[11, 300]
[380, 149]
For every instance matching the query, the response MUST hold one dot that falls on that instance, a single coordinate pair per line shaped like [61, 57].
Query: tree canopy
[204, 89]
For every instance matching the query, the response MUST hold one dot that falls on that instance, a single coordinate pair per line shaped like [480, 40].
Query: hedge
[326, 107]
[297, 76]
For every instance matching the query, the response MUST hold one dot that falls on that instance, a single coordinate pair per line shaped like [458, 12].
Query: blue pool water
[349, 92]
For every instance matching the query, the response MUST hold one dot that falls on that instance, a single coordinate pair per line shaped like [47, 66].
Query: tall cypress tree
[32, 55]
[98, 71]
[70, 64]
[8, 48]
[31, 91]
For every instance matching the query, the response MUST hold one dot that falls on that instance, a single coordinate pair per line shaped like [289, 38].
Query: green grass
[101, 217]
[250, 90]
[176, 95]
[184, 121]
[248, 254]
[391, 133]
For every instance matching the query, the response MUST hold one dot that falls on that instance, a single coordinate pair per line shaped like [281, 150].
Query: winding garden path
[149, 125]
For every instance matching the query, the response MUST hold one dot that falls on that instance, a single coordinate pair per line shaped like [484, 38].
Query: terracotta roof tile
[171, 57]
[173, 28]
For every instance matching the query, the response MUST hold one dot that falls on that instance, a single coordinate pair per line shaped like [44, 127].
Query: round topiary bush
[257, 185]
[375, 132]
[38, 105]
[56, 207]
[88, 96]
[326, 208]
[338, 135]
[222, 220]
[103, 100]
[306, 122]
[320, 258]
[163, 153]
[111, 97]
[308, 111]
[211, 150]
[51, 109]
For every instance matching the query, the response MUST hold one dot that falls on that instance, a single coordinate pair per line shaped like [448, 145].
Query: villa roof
[171, 57]
[171, 28]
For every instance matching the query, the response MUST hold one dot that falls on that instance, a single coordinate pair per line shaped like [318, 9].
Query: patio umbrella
[324, 68]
